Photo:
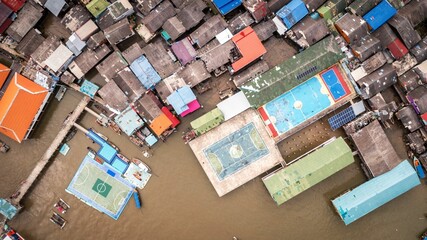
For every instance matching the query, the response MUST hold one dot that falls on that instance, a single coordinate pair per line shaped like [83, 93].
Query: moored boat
[58, 220]
[141, 164]
[136, 198]
[9, 234]
[4, 147]
[419, 168]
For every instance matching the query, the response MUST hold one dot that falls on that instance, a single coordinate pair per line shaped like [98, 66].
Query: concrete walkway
[68, 124]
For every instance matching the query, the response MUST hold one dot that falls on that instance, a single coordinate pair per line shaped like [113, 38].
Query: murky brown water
[180, 203]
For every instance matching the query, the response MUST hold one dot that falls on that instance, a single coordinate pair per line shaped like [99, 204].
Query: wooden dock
[68, 124]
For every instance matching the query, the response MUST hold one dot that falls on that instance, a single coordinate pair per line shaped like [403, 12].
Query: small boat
[136, 198]
[10, 234]
[122, 157]
[61, 206]
[188, 136]
[60, 94]
[71, 134]
[419, 168]
[58, 220]
[4, 148]
[141, 164]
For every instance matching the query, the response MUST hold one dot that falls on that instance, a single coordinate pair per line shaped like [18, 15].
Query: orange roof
[249, 46]
[4, 72]
[160, 124]
[19, 105]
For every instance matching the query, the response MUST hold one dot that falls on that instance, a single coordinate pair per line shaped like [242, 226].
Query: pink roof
[192, 106]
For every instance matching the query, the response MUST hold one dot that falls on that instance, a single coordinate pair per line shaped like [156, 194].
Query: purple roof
[184, 51]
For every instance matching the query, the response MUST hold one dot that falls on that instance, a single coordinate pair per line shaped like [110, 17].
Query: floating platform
[101, 187]
[236, 151]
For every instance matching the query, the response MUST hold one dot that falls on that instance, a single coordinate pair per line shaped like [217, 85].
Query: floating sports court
[307, 102]
[236, 151]
[101, 187]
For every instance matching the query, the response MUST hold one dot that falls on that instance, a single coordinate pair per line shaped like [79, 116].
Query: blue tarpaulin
[380, 14]
[292, 13]
[226, 6]
[376, 192]
[180, 98]
[120, 165]
[145, 73]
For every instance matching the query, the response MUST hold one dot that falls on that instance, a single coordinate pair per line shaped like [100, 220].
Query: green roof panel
[292, 72]
[207, 121]
[96, 7]
[290, 181]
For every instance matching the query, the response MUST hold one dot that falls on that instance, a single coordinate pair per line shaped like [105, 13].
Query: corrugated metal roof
[4, 73]
[208, 30]
[379, 14]
[96, 7]
[226, 6]
[184, 51]
[19, 106]
[378, 191]
[375, 149]
[145, 72]
[5, 12]
[192, 14]
[207, 121]
[26, 20]
[194, 73]
[290, 181]
[114, 97]
[292, 72]
[292, 13]
[249, 46]
[15, 5]
[361, 7]
[233, 105]
[58, 58]
[55, 6]
[160, 124]
[128, 121]
[111, 65]
[180, 98]
[129, 84]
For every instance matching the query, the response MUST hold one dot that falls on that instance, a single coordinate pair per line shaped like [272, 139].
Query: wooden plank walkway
[68, 124]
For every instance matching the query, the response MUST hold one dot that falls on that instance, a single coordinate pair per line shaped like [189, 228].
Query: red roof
[15, 5]
[19, 106]
[5, 25]
[5, 12]
[171, 117]
[249, 46]
[397, 49]
[4, 72]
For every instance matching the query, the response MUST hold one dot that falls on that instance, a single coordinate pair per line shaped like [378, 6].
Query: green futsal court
[101, 187]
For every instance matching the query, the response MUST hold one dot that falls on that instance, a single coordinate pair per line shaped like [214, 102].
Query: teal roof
[292, 72]
[376, 192]
[128, 121]
[290, 181]
[7, 209]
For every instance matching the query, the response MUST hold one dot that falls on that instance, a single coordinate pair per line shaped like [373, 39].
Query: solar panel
[341, 118]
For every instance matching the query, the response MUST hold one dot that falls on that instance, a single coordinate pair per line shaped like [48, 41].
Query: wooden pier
[68, 124]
